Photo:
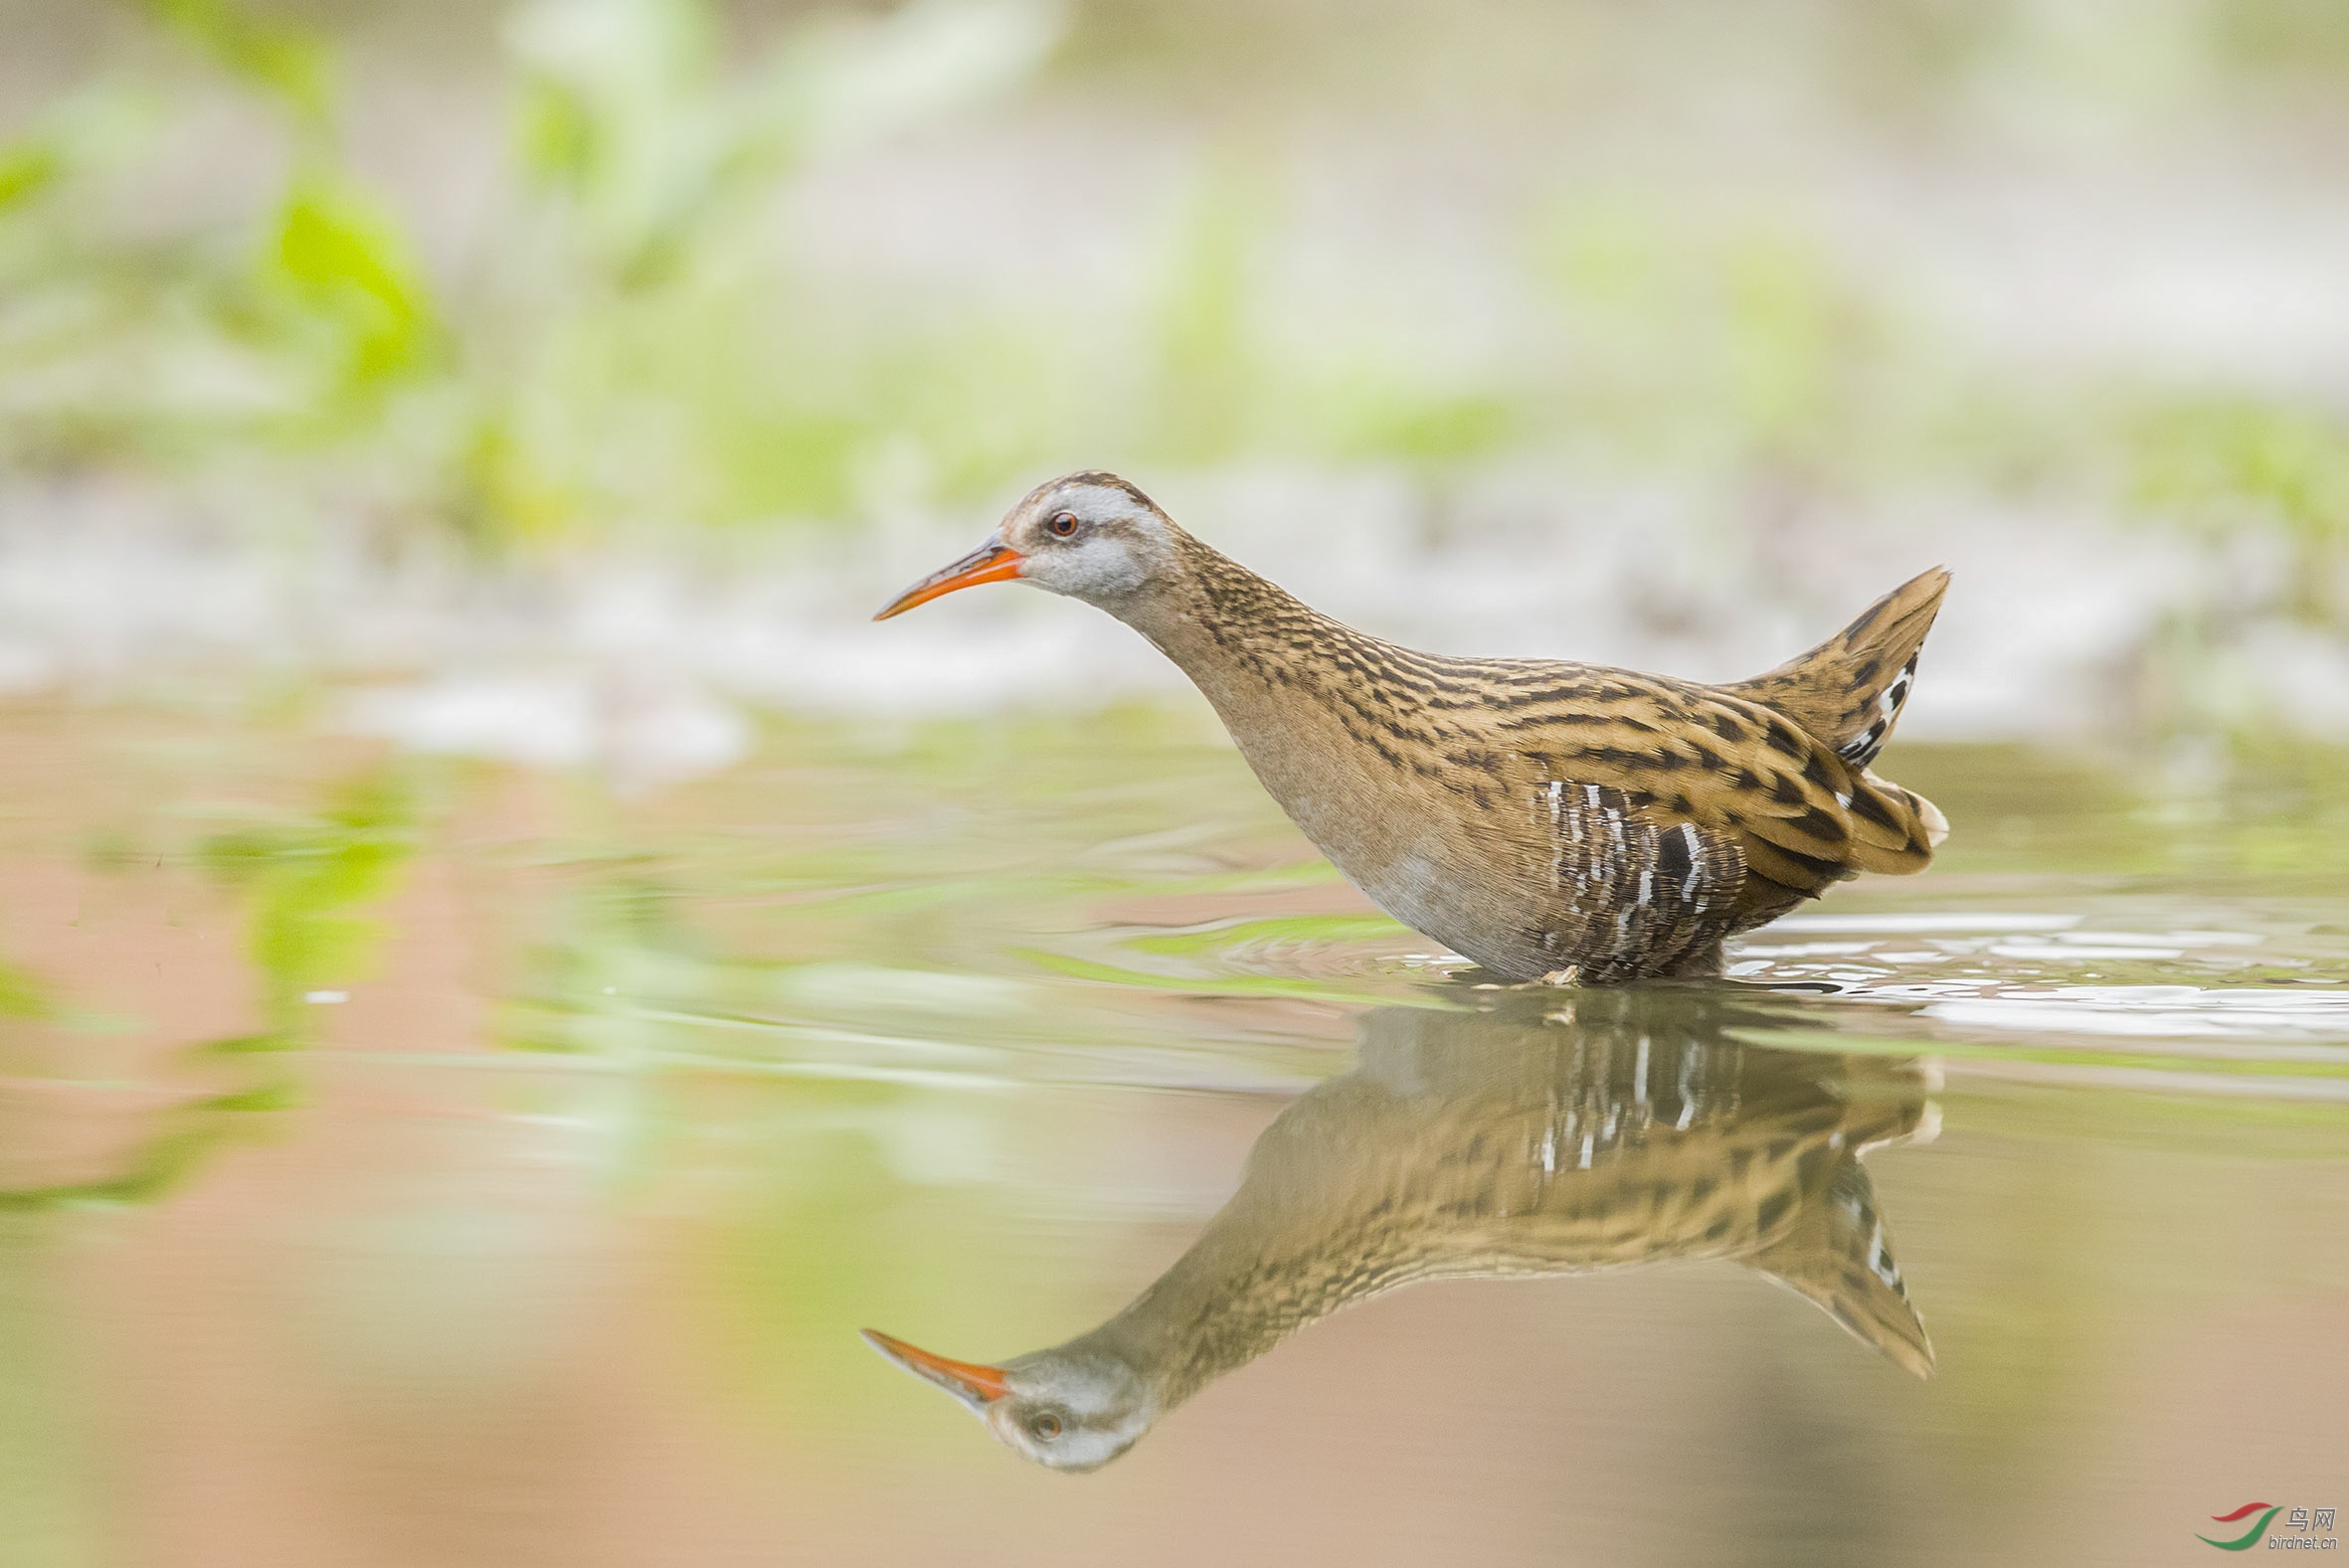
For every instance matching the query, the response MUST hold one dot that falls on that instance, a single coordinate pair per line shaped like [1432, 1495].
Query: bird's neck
[1237, 1294]
[1315, 706]
[1236, 635]
[1333, 1209]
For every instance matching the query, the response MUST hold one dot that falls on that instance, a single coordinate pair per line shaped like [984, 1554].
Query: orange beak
[988, 563]
[974, 1385]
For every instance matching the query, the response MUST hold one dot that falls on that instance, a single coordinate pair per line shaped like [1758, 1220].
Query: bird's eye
[1046, 1426]
[1064, 524]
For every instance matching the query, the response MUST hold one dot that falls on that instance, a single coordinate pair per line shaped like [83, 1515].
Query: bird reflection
[1535, 1134]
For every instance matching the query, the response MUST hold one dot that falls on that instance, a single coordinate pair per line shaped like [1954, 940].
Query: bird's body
[1546, 820]
[1626, 1131]
[1467, 1145]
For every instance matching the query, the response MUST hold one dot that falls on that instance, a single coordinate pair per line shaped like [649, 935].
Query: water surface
[420, 1162]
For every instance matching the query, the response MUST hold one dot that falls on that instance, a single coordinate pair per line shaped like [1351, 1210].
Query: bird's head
[1091, 536]
[1072, 1408]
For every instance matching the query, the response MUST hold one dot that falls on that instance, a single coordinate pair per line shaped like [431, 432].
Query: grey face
[1090, 536]
[1072, 1408]
[1069, 1411]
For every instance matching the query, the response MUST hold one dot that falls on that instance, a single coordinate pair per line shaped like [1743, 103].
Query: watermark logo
[2309, 1529]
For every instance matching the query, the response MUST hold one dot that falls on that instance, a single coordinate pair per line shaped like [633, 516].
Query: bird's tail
[1848, 691]
[1839, 1257]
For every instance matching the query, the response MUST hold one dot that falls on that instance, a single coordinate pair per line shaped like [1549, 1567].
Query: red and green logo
[2249, 1538]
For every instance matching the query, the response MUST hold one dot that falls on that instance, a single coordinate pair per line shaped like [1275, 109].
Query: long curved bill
[974, 1385]
[989, 563]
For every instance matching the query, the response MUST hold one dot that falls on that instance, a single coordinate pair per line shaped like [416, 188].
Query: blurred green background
[498, 287]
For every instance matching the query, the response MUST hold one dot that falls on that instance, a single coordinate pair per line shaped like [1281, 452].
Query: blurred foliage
[276, 59]
[2296, 39]
[48, 1491]
[637, 338]
[2223, 464]
[303, 884]
[342, 263]
[633, 348]
[21, 995]
[1709, 348]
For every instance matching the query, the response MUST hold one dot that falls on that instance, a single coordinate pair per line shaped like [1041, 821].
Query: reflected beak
[974, 1385]
[989, 563]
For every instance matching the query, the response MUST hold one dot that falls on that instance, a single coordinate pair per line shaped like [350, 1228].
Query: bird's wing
[1799, 817]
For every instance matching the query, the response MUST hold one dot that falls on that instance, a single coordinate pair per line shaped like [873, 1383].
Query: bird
[1548, 820]
[1602, 1130]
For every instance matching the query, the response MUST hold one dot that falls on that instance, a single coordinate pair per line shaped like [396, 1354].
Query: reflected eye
[1064, 525]
[1046, 1426]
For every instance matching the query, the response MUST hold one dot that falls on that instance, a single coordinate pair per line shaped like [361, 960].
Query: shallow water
[414, 1162]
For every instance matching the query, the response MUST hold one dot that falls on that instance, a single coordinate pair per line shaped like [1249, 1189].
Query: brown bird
[1548, 820]
[1621, 1128]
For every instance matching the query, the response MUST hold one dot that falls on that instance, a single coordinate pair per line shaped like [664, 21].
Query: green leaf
[348, 263]
[26, 169]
